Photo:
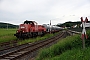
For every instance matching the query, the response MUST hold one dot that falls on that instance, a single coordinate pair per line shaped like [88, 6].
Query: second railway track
[28, 48]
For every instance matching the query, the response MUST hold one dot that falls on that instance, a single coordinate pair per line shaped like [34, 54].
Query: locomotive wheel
[29, 35]
[43, 33]
[34, 34]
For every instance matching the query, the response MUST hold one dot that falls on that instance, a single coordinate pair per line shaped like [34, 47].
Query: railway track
[10, 44]
[20, 51]
[7, 45]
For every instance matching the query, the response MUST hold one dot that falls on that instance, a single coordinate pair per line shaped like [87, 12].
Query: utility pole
[50, 26]
[7, 26]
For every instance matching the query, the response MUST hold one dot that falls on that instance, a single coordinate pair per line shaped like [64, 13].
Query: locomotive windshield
[28, 22]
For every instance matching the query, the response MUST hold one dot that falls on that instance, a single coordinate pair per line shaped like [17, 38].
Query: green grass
[7, 35]
[32, 40]
[74, 54]
[5, 32]
[7, 39]
[62, 46]
[69, 48]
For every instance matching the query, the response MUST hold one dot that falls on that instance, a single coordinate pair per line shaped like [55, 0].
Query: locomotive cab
[29, 22]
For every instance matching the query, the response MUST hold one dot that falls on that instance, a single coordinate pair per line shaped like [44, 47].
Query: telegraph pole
[7, 26]
[50, 26]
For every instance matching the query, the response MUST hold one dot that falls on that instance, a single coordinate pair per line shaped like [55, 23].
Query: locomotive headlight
[23, 31]
[22, 27]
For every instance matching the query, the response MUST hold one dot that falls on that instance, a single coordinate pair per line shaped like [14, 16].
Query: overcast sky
[42, 11]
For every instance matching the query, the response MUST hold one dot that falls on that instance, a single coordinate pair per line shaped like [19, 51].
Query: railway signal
[84, 24]
[84, 35]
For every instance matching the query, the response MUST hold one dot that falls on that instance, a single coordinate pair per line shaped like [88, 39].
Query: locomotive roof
[29, 22]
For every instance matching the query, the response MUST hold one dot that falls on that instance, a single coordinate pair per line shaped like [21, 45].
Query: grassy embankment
[7, 35]
[69, 48]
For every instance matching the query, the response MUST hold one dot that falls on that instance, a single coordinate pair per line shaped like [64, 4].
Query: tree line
[7, 25]
[70, 24]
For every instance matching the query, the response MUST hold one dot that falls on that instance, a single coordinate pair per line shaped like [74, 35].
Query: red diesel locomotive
[30, 29]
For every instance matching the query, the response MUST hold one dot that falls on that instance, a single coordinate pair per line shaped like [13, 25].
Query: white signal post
[84, 35]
